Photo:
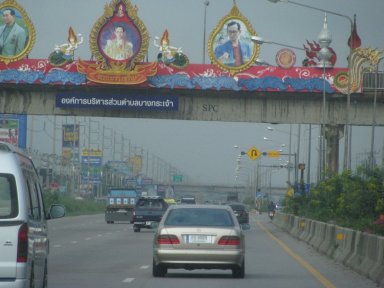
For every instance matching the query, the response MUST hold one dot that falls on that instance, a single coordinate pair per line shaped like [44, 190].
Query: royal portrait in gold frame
[119, 39]
[230, 46]
[17, 33]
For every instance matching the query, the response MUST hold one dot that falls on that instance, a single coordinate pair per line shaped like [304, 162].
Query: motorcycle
[271, 214]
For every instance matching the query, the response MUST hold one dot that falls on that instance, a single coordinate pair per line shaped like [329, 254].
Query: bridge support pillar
[333, 133]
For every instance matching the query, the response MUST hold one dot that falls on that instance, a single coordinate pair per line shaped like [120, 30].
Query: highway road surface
[87, 252]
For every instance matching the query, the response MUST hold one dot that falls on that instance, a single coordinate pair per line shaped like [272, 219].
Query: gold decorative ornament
[361, 59]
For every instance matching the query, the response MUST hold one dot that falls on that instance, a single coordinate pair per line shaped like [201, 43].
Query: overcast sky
[204, 150]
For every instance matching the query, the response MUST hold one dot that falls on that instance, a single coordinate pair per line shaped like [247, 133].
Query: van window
[9, 207]
[40, 194]
[35, 207]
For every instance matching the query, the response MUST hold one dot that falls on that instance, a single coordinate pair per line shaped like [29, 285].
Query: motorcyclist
[271, 209]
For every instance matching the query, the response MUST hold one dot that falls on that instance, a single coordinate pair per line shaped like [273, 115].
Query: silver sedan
[199, 237]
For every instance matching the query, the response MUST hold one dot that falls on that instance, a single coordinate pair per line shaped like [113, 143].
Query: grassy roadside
[73, 207]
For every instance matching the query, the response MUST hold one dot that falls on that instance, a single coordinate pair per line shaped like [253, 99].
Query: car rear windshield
[8, 197]
[237, 207]
[206, 217]
[188, 201]
[151, 203]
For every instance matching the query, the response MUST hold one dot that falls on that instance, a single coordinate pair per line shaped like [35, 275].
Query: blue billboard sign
[117, 101]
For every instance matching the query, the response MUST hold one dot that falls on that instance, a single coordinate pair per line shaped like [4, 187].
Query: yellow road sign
[253, 153]
[273, 153]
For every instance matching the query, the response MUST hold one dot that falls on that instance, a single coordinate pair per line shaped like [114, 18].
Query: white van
[24, 243]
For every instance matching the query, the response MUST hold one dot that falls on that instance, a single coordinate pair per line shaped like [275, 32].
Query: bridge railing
[369, 80]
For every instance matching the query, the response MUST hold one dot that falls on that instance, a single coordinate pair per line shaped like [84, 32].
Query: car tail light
[229, 240]
[22, 244]
[167, 239]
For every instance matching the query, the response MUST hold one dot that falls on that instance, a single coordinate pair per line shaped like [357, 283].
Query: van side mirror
[56, 211]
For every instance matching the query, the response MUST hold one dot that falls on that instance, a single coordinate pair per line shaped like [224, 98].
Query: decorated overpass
[120, 83]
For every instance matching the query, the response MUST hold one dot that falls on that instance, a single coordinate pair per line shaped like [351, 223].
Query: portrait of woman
[17, 34]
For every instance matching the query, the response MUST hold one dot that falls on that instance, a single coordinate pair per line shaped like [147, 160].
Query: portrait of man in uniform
[119, 47]
[119, 41]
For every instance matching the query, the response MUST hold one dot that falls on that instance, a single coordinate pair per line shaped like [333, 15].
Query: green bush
[349, 200]
[73, 207]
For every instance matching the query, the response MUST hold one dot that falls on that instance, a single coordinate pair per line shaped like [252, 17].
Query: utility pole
[54, 135]
[309, 155]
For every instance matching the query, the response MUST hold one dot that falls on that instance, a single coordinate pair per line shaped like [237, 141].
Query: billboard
[71, 135]
[91, 166]
[70, 142]
[13, 129]
[136, 163]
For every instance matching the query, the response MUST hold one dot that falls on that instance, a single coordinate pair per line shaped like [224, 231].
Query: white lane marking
[74, 242]
[57, 245]
[128, 280]
[144, 267]
[88, 238]
[99, 235]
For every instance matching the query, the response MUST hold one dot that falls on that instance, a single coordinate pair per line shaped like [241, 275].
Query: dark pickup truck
[148, 211]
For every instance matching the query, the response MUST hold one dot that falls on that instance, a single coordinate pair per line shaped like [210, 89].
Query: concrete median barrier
[377, 271]
[345, 241]
[362, 252]
[328, 246]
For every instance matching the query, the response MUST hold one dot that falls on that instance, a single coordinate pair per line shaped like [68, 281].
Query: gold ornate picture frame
[233, 28]
[119, 39]
[17, 33]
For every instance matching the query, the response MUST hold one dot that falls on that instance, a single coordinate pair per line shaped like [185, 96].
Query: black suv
[241, 212]
[148, 210]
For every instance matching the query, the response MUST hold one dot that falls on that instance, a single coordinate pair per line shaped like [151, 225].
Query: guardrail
[369, 81]
[361, 251]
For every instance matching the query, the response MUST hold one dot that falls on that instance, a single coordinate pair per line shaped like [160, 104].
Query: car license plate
[200, 239]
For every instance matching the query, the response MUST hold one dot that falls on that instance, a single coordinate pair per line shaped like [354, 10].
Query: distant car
[148, 212]
[188, 200]
[199, 237]
[241, 212]
[170, 201]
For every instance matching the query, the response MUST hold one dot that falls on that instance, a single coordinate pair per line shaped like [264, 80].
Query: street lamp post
[371, 161]
[347, 143]
[259, 40]
[206, 4]
[290, 150]
[251, 183]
